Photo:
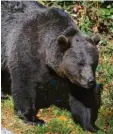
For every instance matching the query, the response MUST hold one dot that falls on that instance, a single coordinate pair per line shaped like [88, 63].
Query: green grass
[105, 72]
[58, 121]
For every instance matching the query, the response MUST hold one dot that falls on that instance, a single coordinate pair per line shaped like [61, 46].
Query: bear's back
[13, 14]
[18, 17]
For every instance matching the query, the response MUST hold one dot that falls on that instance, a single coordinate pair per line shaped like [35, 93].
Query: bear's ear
[63, 42]
[62, 39]
[96, 39]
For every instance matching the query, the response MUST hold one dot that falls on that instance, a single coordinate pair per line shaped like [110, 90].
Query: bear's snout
[91, 82]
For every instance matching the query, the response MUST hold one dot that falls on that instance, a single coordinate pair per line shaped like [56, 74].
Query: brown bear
[37, 39]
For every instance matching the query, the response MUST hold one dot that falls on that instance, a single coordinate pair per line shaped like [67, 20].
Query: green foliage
[90, 16]
[97, 16]
[60, 127]
[58, 112]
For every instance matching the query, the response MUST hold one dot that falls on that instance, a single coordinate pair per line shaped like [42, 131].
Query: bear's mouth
[79, 84]
[86, 86]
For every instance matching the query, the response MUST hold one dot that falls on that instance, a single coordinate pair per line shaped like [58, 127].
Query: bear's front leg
[81, 114]
[23, 92]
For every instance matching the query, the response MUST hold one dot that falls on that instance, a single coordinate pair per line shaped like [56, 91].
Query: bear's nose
[91, 82]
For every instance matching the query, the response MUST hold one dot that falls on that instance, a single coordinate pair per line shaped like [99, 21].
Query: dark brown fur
[36, 39]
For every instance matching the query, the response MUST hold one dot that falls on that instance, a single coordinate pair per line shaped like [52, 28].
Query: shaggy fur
[37, 39]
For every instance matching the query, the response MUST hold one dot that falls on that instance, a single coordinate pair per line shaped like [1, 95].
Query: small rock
[5, 131]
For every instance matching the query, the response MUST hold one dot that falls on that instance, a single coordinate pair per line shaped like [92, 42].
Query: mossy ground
[58, 121]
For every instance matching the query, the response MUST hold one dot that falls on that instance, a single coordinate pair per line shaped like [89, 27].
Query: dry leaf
[50, 109]
[72, 133]
[41, 110]
[38, 115]
[47, 133]
[89, 133]
[95, 29]
[106, 125]
[62, 118]
[76, 8]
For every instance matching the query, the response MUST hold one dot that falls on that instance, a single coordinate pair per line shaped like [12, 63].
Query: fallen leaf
[95, 29]
[50, 109]
[41, 110]
[106, 125]
[76, 8]
[62, 118]
[47, 133]
[89, 133]
[72, 133]
[38, 115]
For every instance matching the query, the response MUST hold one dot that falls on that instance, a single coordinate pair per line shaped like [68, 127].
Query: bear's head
[76, 57]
